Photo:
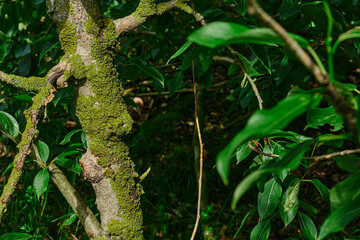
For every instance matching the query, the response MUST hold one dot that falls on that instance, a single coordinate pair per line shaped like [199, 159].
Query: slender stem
[317, 59]
[335, 154]
[201, 157]
[328, 41]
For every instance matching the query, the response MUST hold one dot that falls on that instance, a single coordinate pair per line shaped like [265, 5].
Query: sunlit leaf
[222, 33]
[41, 182]
[44, 150]
[9, 124]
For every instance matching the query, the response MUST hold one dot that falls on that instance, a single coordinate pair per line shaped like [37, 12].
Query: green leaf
[269, 198]
[180, 51]
[308, 208]
[41, 182]
[321, 116]
[15, 236]
[344, 192]
[290, 161]
[68, 136]
[69, 164]
[242, 152]
[245, 62]
[350, 163]
[352, 33]
[175, 82]
[44, 151]
[206, 57]
[249, 214]
[262, 122]
[261, 231]
[152, 72]
[9, 124]
[70, 220]
[324, 191]
[2, 49]
[241, 7]
[262, 55]
[289, 8]
[24, 97]
[289, 203]
[307, 226]
[340, 218]
[70, 153]
[223, 33]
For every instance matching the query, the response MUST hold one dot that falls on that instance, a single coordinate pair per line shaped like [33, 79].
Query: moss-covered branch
[182, 5]
[26, 83]
[143, 12]
[30, 133]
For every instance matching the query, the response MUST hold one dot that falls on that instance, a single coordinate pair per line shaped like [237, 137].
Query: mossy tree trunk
[88, 40]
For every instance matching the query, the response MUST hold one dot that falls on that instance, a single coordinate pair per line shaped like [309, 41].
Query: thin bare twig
[255, 149]
[201, 156]
[335, 154]
[342, 107]
[185, 90]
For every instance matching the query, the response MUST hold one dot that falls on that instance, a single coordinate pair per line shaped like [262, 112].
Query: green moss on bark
[104, 117]
[67, 37]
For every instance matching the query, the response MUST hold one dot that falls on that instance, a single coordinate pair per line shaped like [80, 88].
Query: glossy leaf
[68, 136]
[289, 203]
[261, 231]
[15, 236]
[321, 116]
[340, 218]
[41, 182]
[44, 151]
[9, 124]
[269, 198]
[324, 191]
[262, 122]
[345, 191]
[222, 33]
[307, 226]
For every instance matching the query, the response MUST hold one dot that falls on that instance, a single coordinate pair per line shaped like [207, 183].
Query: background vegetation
[302, 121]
